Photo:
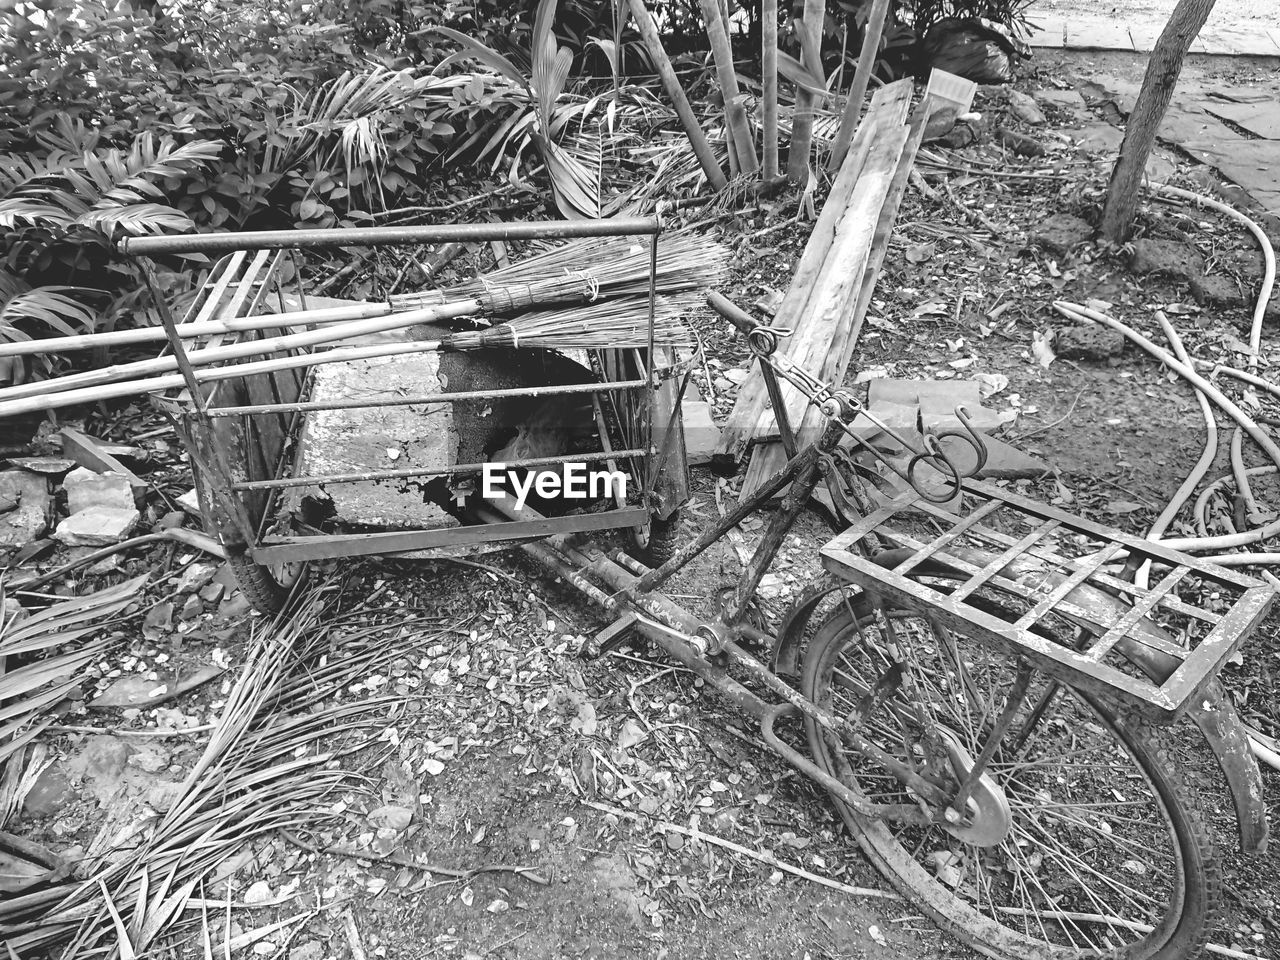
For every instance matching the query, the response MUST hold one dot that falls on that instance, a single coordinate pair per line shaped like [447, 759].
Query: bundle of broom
[619, 266]
[586, 321]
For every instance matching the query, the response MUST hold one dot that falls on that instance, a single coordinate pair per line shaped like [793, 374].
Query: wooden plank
[750, 416]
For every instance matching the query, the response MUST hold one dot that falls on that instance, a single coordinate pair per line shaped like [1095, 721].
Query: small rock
[1218, 290]
[1172, 257]
[234, 606]
[192, 608]
[150, 758]
[97, 526]
[190, 502]
[195, 576]
[104, 757]
[171, 520]
[29, 520]
[1061, 234]
[674, 841]
[50, 794]
[211, 593]
[159, 619]
[259, 892]
[51, 466]
[87, 489]
[1025, 108]
[722, 384]
[1095, 343]
[311, 950]
[737, 376]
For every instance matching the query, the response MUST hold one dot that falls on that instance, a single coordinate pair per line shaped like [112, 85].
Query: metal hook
[968, 435]
[934, 457]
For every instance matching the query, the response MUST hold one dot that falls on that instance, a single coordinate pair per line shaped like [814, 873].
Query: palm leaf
[487, 55]
[137, 219]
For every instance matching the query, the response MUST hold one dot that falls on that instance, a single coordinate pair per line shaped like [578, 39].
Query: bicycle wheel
[1105, 852]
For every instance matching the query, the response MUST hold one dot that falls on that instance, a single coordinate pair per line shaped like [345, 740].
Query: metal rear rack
[1010, 547]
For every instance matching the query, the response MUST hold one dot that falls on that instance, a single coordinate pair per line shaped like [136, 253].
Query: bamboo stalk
[769, 85]
[693, 130]
[119, 338]
[858, 90]
[559, 289]
[734, 113]
[810, 31]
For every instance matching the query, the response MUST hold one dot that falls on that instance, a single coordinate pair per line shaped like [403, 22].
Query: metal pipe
[382, 236]
[425, 472]
[304, 406]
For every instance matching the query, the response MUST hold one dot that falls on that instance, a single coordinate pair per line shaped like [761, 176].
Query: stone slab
[1253, 165]
[87, 488]
[96, 527]
[365, 439]
[1261, 118]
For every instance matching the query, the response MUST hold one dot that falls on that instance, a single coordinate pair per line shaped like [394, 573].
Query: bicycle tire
[1190, 868]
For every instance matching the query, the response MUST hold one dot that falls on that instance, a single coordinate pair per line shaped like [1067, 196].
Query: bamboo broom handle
[499, 299]
[119, 338]
[69, 398]
[237, 351]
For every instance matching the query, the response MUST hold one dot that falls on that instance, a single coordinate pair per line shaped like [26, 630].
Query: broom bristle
[620, 265]
[620, 323]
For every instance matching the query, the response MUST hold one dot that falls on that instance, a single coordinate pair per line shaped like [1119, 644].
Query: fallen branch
[766, 858]
[527, 872]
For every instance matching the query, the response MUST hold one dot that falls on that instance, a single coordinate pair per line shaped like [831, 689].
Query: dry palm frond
[620, 265]
[620, 323]
[27, 691]
[261, 770]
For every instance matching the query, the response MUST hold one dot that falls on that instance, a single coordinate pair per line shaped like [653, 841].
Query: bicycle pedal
[610, 638]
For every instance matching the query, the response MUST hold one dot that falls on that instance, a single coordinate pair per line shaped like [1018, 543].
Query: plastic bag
[973, 48]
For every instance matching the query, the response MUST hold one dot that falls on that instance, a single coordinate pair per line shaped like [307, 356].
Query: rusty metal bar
[426, 472]
[1135, 613]
[401, 541]
[957, 531]
[305, 406]
[383, 236]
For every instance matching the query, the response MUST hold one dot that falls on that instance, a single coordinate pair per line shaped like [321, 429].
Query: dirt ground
[524, 755]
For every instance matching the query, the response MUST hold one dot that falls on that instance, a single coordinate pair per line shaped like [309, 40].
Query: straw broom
[686, 261]
[610, 324]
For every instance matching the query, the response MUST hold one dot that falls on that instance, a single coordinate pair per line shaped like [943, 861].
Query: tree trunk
[1140, 132]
